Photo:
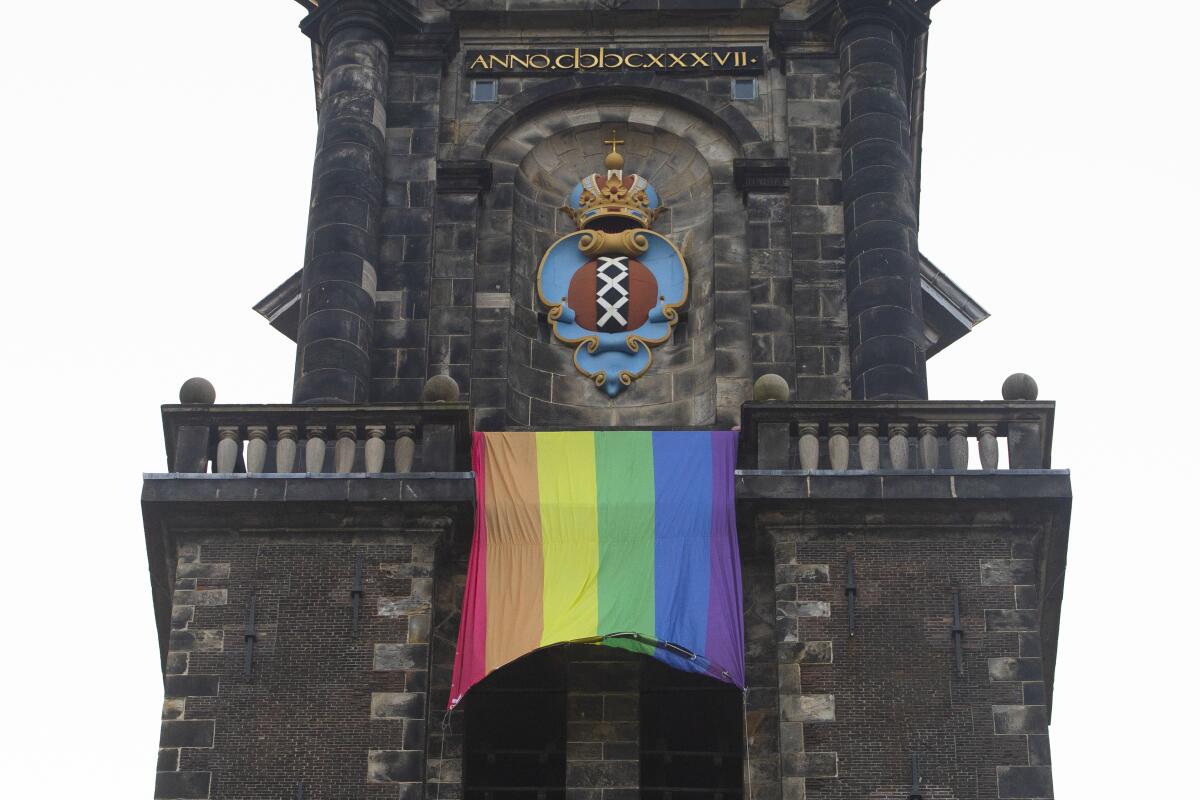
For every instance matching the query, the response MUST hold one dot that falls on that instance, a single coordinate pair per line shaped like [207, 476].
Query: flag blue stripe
[683, 464]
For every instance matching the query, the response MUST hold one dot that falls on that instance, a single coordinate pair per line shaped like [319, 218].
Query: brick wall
[320, 705]
[854, 707]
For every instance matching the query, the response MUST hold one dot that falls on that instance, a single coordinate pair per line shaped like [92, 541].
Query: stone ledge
[436, 487]
[902, 485]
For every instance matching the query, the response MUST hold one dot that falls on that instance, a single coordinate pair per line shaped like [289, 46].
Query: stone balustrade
[903, 435]
[342, 439]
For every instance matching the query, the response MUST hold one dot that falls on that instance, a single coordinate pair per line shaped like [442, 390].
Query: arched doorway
[614, 724]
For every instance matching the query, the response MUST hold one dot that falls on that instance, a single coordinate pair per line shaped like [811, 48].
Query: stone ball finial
[440, 389]
[197, 391]
[771, 387]
[1019, 386]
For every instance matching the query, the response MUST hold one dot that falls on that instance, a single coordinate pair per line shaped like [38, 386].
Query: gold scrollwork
[625, 243]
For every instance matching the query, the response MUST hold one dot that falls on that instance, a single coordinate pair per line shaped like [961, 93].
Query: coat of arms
[613, 286]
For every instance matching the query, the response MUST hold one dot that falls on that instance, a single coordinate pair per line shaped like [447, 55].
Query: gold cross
[614, 141]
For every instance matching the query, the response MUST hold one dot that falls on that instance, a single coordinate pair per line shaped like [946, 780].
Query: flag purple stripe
[725, 648]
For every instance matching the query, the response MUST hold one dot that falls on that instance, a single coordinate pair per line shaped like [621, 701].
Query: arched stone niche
[690, 163]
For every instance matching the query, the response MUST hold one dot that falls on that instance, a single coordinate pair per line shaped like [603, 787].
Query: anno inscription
[745, 60]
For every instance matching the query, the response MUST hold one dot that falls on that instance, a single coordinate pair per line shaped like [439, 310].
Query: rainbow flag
[624, 538]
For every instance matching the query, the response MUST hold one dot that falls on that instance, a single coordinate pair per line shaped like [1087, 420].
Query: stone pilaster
[802, 609]
[765, 185]
[337, 292]
[403, 316]
[454, 304]
[887, 340]
[817, 243]
[187, 734]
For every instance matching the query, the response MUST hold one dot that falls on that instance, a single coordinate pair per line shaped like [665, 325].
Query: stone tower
[903, 558]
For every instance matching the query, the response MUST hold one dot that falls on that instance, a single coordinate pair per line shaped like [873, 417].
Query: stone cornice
[907, 17]
[434, 42]
[390, 18]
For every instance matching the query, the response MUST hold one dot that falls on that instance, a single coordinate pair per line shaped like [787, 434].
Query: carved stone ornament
[613, 287]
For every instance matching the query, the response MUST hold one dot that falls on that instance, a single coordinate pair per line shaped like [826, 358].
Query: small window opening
[484, 91]
[745, 89]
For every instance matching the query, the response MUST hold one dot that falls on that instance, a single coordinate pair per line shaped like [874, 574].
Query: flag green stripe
[625, 505]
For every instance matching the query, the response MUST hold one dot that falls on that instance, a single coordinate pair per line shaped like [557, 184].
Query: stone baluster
[375, 448]
[898, 445]
[928, 446]
[285, 448]
[839, 446]
[868, 446]
[228, 444]
[406, 448]
[343, 451]
[958, 446]
[256, 448]
[810, 447]
[314, 449]
[989, 452]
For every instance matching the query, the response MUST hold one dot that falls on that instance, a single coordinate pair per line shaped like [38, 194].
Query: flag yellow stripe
[566, 464]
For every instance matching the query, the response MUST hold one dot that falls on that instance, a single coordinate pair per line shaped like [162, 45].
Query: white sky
[156, 164]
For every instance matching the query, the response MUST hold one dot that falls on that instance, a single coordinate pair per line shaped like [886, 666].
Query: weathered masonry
[595, 214]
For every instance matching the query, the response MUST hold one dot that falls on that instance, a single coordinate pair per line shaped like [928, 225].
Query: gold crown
[599, 199]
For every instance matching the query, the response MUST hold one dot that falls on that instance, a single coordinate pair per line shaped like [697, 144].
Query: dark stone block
[349, 183]
[885, 321]
[168, 760]
[1039, 751]
[1024, 783]
[1034, 694]
[810, 765]
[191, 685]
[1001, 620]
[182, 785]
[187, 733]
[409, 705]
[890, 382]
[394, 766]
[335, 354]
[872, 153]
[881, 234]
[450, 320]
[1015, 669]
[334, 324]
[1015, 720]
[602, 774]
[883, 351]
[899, 208]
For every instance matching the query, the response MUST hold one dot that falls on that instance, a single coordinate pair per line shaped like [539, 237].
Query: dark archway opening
[583, 713]
[692, 736]
[516, 731]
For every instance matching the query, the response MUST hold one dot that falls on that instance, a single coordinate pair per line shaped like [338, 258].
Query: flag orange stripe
[514, 553]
